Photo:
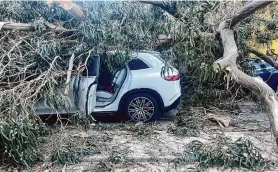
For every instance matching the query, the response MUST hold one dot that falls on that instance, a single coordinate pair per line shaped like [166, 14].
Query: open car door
[85, 86]
[82, 93]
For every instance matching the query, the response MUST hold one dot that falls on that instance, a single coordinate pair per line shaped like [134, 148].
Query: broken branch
[169, 9]
[16, 26]
[75, 10]
[69, 75]
[30, 26]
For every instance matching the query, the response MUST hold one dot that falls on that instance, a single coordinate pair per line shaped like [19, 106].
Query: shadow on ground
[52, 119]
[103, 118]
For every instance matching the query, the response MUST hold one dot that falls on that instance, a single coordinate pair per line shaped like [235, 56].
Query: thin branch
[30, 26]
[16, 26]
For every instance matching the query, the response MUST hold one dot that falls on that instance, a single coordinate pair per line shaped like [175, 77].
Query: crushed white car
[139, 90]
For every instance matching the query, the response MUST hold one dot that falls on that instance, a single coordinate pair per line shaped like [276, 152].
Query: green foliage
[240, 154]
[272, 25]
[19, 139]
[80, 120]
[188, 123]
[207, 96]
[263, 37]
[193, 51]
[113, 60]
[115, 157]
[56, 100]
[72, 149]
[206, 74]
[263, 26]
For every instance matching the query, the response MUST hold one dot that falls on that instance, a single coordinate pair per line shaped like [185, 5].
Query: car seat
[118, 80]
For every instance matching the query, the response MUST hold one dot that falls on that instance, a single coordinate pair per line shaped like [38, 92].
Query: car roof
[151, 58]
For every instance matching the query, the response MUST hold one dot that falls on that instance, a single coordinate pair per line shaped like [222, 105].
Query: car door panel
[82, 94]
[87, 94]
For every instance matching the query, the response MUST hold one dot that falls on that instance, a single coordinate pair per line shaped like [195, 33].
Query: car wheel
[141, 108]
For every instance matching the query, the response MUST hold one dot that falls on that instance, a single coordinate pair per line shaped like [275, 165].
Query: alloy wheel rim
[141, 109]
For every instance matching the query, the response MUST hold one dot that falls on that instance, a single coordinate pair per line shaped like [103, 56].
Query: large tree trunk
[228, 64]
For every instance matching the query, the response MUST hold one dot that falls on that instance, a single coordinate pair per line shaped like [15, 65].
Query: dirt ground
[149, 147]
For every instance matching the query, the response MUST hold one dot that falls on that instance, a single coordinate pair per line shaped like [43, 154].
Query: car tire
[141, 107]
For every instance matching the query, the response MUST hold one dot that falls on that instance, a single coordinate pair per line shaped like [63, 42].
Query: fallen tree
[40, 46]
[228, 64]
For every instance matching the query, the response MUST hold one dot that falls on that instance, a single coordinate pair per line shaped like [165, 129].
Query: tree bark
[69, 75]
[248, 9]
[228, 64]
[16, 26]
[72, 8]
[171, 10]
[266, 58]
[30, 26]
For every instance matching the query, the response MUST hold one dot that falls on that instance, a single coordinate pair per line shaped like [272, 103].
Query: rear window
[137, 64]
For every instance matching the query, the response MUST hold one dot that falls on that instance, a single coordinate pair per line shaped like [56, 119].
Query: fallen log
[228, 64]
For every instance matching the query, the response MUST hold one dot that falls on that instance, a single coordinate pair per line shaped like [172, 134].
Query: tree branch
[228, 64]
[16, 26]
[72, 8]
[169, 9]
[248, 9]
[266, 58]
[30, 26]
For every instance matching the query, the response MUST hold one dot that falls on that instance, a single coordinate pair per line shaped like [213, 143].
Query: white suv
[140, 90]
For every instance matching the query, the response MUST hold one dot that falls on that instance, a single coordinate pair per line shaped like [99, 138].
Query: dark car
[268, 73]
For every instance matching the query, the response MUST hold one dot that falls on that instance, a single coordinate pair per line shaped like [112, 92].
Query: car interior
[110, 85]
[108, 91]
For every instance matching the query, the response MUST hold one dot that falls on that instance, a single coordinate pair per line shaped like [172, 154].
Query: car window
[137, 64]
